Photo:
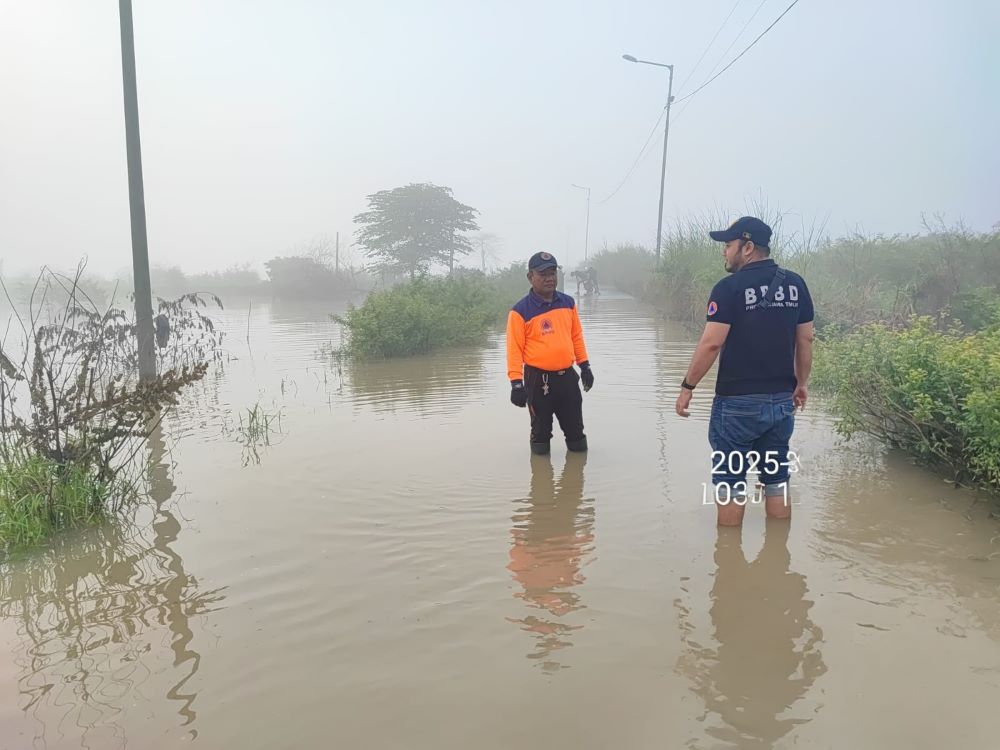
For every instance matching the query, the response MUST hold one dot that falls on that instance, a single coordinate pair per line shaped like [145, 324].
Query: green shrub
[421, 316]
[934, 394]
[976, 309]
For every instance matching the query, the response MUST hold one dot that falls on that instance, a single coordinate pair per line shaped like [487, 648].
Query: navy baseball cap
[745, 228]
[541, 261]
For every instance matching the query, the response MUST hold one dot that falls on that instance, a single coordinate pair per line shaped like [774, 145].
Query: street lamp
[666, 132]
[586, 232]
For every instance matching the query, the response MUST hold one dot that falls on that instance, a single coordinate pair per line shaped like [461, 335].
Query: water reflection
[552, 536]
[864, 499]
[768, 653]
[174, 605]
[442, 384]
[87, 611]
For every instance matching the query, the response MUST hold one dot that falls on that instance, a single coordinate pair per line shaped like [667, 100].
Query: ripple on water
[397, 566]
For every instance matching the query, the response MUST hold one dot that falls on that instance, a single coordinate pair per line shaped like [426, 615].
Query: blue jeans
[751, 432]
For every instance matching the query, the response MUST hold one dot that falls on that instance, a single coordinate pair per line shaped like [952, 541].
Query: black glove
[518, 393]
[586, 375]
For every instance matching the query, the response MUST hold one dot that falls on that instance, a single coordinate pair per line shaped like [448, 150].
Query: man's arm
[579, 347]
[712, 339]
[515, 346]
[804, 335]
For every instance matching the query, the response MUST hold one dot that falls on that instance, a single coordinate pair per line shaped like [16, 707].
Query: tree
[488, 245]
[409, 228]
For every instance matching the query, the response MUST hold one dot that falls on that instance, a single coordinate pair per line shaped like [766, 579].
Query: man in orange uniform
[544, 339]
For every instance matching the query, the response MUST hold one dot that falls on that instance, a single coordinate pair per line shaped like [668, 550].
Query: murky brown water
[395, 571]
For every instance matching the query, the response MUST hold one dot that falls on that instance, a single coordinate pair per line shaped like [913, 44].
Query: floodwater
[393, 570]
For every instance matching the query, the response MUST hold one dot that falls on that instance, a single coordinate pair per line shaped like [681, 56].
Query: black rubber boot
[540, 449]
[577, 446]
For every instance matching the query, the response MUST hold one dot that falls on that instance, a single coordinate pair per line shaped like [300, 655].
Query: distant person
[761, 319]
[544, 339]
[595, 288]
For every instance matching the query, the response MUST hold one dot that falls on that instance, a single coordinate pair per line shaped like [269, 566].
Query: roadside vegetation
[933, 393]
[854, 280]
[425, 315]
[73, 415]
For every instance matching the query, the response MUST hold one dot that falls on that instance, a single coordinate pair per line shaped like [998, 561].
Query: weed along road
[342, 554]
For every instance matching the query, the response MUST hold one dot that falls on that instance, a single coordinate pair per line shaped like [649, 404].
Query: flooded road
[392, 569]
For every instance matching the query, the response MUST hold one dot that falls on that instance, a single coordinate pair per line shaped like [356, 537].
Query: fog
[264, 125]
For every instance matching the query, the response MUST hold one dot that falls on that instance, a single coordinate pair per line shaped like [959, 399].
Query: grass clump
[259, 424]
[255, 431]
[39, 497]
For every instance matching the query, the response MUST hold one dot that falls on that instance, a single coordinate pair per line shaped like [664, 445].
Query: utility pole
[136, 201]
[586, 231]
[336, 257]
[663, 167]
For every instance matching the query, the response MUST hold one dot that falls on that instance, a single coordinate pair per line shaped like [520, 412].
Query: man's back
[759, 353]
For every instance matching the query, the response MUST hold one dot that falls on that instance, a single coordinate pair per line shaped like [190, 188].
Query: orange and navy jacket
[546, 335]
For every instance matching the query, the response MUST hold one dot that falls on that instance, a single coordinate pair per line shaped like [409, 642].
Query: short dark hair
[764, 249]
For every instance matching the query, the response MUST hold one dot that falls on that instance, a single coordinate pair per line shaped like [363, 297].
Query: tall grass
[854, 280]
[948, 272]
[39, 497]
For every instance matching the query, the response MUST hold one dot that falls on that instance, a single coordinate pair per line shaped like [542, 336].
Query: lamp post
[666, 132]
[586, 231]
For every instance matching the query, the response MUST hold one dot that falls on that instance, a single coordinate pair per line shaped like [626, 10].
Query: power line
[687, 103]
[705, 52]
[739, 35]
[733, 61]
[638, 158]
[724, 52]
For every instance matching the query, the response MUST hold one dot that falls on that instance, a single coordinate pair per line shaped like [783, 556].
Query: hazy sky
[265, 124]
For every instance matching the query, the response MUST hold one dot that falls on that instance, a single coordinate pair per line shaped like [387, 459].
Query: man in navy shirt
[760, 318]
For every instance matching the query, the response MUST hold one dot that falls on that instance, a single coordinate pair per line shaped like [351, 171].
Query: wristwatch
[686, 384]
